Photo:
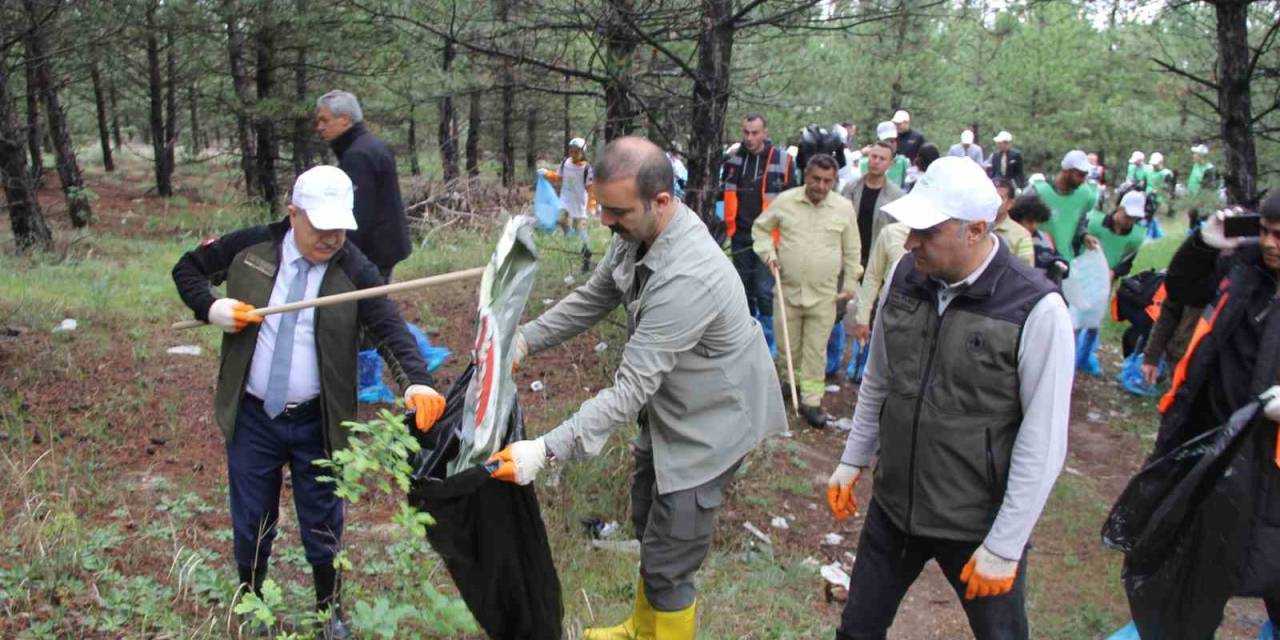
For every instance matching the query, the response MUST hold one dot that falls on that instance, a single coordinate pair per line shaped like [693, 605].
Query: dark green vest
[251, 278]
[953, 410]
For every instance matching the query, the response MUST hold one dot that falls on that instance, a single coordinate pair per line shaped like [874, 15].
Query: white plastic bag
[1088, 289]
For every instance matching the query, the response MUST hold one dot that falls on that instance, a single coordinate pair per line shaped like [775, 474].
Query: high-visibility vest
[776, 179]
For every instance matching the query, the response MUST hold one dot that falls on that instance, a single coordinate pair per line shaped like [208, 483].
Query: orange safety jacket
[776, 180]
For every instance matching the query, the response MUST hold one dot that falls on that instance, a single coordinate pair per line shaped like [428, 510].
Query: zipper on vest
[936, 327]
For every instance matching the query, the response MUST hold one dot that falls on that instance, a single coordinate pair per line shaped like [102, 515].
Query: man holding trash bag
[695, 373]
[287, 382]
[965, 399]
[1233, 358]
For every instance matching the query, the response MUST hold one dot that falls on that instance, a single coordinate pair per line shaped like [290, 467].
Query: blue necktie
[282, 356]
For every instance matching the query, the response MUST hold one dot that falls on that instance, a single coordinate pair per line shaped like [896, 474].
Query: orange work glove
[232, 315]
[840, 496]
[427, 402]
[988, 575]
[520, 462]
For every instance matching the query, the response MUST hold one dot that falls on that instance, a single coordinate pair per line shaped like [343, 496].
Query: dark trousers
[256, 455]
[757, 280]
[889, 561]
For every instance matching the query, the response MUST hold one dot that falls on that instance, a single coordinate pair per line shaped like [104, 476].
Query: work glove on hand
[427, 402]
[232, 315]
[519, 348]
[520, 462]
[1271, 408]
[988, 575]
[840, 496]
[1213, 231]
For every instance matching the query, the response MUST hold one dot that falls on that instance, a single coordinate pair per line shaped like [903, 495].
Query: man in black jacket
[1006, 162]
[287, 382]
[383, 233]
[1234, 357]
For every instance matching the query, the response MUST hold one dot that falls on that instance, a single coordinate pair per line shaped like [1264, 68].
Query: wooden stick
[351, 296]
[786, 339]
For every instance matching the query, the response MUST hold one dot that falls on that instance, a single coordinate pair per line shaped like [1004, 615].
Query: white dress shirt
[1046, 367]
[304, 372]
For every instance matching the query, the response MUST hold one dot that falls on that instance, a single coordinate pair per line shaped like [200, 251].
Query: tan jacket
[888, 193]
[885, 251]
[816, 244]
[1018, 239]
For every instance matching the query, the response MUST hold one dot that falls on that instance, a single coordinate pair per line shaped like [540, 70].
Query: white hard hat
[326, 194]
[577, 143]
[1134, 204]
[953, 188]
[886, 131]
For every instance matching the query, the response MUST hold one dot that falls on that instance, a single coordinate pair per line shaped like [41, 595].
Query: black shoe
[815, 416]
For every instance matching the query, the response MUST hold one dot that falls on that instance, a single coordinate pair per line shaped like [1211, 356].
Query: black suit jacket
[383, 233]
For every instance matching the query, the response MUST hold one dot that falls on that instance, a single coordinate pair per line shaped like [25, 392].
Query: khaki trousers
[810, 328]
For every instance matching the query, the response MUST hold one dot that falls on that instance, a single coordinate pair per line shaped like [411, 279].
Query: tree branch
[1179, 72]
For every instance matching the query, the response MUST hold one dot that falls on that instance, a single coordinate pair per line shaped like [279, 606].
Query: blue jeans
[256, 455]
[757, 280]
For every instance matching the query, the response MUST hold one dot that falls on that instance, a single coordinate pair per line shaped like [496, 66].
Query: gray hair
[342, 103]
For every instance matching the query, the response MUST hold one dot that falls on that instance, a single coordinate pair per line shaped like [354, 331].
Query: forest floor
[113, 521]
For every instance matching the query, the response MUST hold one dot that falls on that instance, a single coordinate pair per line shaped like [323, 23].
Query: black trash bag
[490, 533]
[1183, 523]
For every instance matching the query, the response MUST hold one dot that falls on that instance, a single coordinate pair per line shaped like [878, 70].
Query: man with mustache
[695, 374]
[287, 382]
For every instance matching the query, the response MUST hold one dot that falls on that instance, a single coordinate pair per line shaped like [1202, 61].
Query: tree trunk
[710, 102]
[568, 130]
[155, 102]
[1234, 106]
[244, 101]
[25, 217]
[197, 140]
[33, 115]
[448, 130]
[68, 169]
[415, 167]
[264, 127]
[170, 103]
[620, 43]
[115, 112]
[507, 145]
[100, 107]
[302, 156]
[473, 134]
[531, 141]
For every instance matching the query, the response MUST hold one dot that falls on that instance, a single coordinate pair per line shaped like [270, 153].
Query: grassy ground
[112, 511]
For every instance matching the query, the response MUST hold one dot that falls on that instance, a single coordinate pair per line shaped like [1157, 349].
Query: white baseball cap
[577, 143]
[1003, 136]
[1157, 157]
[966, 137]
[1077, 160]
[886, 131]
[953, 188]
[1200, 149]
[901, 116]
[326, 194]
[1134, 204]
[1137, 156]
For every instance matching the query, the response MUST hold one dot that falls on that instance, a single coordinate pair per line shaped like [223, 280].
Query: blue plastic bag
[1088, 289]
[720, 210]
[372, 390]
[1127, 632]
[546, 205]
[858, 362]
[835, 349]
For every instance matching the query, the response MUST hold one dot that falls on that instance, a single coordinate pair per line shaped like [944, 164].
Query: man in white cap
[1117, 236]
[966, 148]
[1070, 199]
[896, 171]
[1159, 181]
[965, 400]
[574, 178]
[1202, 173]
[1006, 162]
[275, 403]
[1136, 174]
[909, 140]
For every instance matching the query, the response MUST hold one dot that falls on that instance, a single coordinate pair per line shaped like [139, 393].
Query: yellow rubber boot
[676, 625]
[638, 626]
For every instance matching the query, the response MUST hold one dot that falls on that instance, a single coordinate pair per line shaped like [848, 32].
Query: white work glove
[987, 574]
[1213, 231]
[427, 403]
[840, 498]
[1272, 399]
[519, 349]
[520, 462]
[232, 315]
